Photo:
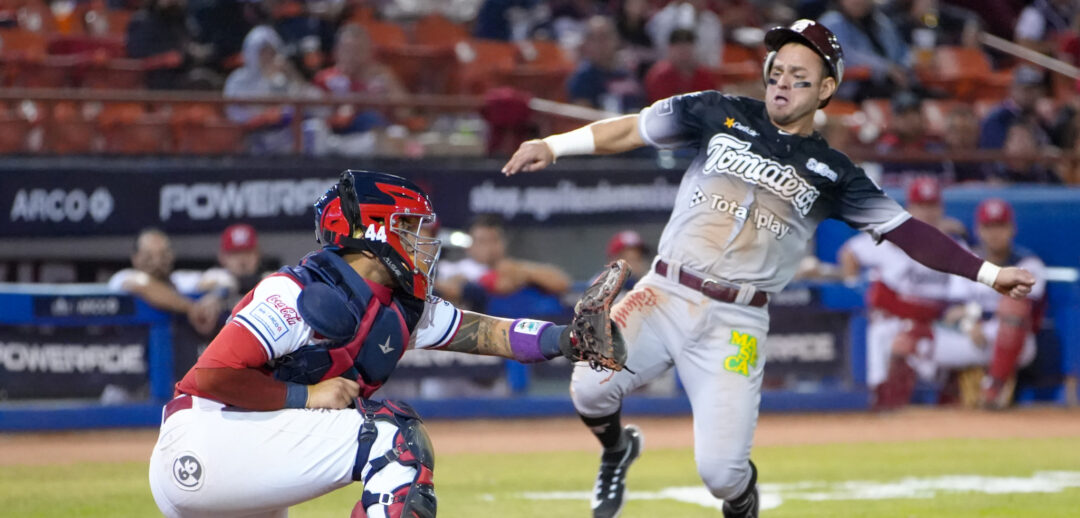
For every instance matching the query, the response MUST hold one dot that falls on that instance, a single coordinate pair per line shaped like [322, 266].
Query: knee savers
[411, 447]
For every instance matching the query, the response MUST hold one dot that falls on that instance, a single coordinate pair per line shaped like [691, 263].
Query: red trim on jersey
[234, 348]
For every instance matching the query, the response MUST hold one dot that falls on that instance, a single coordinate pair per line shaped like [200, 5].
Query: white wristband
[988, 273]
[577, 142]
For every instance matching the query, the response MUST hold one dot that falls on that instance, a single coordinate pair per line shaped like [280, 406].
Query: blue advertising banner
[97, 200]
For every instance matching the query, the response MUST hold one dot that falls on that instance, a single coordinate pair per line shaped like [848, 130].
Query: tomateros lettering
[729, 155]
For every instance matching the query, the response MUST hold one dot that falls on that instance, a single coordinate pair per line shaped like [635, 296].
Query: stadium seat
[383, 34]
[735, 53]
[729, 73]
[69, 129]
[478, 61]
[543, 82]
[14, 132]
[544, 54]
[421, 68]
[966, 73]
[435, 29]
[114, 74]
[200, 129]
[127, 128]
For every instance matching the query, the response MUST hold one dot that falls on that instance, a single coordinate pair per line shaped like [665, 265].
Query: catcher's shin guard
[1014, 322]
[411, 447]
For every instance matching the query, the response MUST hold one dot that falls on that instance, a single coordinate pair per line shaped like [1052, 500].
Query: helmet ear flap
[767, 66]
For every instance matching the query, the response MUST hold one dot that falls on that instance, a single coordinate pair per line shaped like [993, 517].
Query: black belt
[717, 290]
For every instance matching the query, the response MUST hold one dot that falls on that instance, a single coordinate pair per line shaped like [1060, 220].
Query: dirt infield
[561, 434]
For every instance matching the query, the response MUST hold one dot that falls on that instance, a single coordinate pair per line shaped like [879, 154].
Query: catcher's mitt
[594, 338]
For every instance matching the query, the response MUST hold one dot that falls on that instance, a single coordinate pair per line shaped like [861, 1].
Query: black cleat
[610, 486]
[748, 503]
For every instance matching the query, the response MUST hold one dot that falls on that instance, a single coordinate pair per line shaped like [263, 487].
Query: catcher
[277, 411]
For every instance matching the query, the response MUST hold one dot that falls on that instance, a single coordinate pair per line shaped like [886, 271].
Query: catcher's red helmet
[812, 34]
[383, 214]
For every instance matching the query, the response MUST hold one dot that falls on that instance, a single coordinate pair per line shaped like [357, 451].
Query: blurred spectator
[357, 72]
[504, 19]
[962, 135]
[630, 19]
[695, 16]
[1022, 145]
[219, 27]
[1027, 89]
[305, 38]
[992, 334]
[240, 264]
[570, 18]
[870, 39]
[153, 279]
[628, 246]
[600, 81]
[679, 72]
[159, 33]
[488, 267]
[266, 73]
[926, 24]
[997, 16]
[1043, 22]
[907, 132]
[904, 299]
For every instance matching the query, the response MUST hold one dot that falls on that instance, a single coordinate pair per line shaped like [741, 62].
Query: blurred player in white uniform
[995, 335]
[761, 182]
[905, 298]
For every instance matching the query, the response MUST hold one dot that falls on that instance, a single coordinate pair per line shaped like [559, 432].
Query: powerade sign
[99, 201]
[807, 342]
[61, 363]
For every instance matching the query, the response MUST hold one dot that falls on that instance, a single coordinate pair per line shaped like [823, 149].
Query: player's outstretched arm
[614, 135]
[929, 246]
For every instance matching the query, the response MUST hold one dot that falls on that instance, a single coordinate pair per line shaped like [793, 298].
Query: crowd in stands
[614, 55]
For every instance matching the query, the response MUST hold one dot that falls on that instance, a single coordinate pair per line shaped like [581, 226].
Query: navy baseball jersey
[754, 195]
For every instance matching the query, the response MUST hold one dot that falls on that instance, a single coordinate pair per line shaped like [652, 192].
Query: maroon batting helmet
[812, 34]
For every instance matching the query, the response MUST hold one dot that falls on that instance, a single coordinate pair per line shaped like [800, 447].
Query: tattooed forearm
[481, 334]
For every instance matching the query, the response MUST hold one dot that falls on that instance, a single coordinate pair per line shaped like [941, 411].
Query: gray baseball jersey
[754, 195]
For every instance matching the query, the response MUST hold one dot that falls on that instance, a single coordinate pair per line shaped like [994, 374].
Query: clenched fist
[1014, 282]
[335, 393]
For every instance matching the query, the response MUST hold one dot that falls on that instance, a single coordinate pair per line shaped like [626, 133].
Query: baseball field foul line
[774, 495]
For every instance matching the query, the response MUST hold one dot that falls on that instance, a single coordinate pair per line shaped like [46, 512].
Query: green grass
[492, 485]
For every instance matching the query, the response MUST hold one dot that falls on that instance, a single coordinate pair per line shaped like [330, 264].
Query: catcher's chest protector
[335, 298]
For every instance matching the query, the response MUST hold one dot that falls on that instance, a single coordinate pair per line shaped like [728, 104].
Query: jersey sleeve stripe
[644, 132]
[890, 225]
[451, 330]
[262, 338]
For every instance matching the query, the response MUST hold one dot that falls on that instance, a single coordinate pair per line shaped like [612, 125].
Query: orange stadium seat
[543, 82]
[735, 72]
[421, 68]
[201, 129]
[435, 29]
[114, 74]
[735, 53]
[383, 34]
[14, 132]
[544, 53]
[129, 129]
[966, 73]
[69, 130]
[478, 61]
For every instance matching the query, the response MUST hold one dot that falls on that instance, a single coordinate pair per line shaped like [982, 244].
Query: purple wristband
[525, 340]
